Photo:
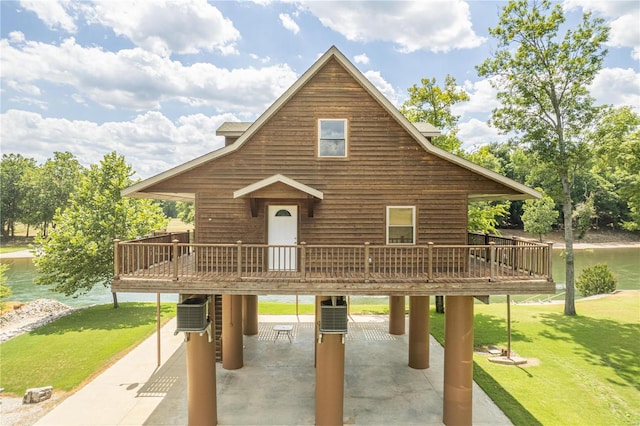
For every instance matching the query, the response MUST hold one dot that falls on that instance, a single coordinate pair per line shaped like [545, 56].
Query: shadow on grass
[507, 403]
[489, 330]
[105, 317]
[604, 343]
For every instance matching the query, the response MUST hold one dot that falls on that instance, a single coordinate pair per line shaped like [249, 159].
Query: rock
[31, 316]
[35, 395]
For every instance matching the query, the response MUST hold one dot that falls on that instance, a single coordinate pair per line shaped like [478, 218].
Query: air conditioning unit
[333, 316]
[192, 315]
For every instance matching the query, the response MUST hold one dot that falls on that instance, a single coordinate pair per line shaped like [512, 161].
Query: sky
[153, 80]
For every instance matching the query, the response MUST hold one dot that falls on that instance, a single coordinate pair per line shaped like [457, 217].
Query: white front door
[283, 233]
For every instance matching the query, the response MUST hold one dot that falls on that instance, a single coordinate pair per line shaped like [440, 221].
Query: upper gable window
[332, 138]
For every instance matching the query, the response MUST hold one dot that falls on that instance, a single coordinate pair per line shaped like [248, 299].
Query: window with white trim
[401, 225]
[332, 138]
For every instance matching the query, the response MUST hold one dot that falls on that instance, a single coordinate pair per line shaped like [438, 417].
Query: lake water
[624, 262]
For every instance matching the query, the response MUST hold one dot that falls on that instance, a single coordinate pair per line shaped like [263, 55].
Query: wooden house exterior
[333, 192]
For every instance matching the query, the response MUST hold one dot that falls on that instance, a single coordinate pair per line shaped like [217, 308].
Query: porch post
[419, 332]
[329, 379]
[250, 315]
[458, 361]
[202, 404]
[396, 315]
[232, 354]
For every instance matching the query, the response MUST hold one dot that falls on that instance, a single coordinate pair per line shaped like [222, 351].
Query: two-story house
[331, 192]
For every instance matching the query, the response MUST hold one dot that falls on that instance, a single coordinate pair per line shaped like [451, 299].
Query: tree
[432, 104]
[48, 188]
[539, 215]
[12, 190]
[78, 253]
[5, 290]
[542, 73]
[485, 216]
[617, 165]
[186, 212]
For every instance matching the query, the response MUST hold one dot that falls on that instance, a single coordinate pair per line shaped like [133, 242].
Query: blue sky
[153, 80]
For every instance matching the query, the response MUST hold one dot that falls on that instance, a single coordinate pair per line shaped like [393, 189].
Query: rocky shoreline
[30, 316]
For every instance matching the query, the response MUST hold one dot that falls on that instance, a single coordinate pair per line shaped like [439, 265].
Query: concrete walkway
[276, 384]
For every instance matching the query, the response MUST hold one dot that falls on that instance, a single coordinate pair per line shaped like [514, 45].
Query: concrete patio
[276, 384]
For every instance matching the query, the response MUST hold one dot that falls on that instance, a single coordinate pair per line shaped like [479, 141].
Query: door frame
[288, 257]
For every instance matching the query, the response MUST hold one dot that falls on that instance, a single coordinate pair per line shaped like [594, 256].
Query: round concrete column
[250, 315]
[330, 380]
[396, 315]
[419, 332]
[202, 405]
[458, 360]
[232, 355]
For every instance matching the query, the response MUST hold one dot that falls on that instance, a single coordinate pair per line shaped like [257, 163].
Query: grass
[67, 352]
[583, 370]
[588, 369]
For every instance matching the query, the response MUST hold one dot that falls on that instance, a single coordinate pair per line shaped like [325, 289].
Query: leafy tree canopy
[12, 189]
[542, 71]
[539, 215]
[432, 104]
[78, 253]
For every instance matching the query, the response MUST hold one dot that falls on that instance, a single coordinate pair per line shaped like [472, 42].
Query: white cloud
[160, 26]
[16, 37]
[436, 26]
[150, 79]
[361, 59]
[155, 142]
[383, 86]
[53, 13]
[482, 98]
[165, 26]
[623, 16]
[617, 86]
[475, 133]
[625, 32]
[288, 22]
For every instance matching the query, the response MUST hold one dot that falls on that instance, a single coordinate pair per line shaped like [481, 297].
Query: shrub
[596, 279]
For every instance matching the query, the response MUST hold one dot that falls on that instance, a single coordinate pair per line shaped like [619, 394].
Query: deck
[502, 266]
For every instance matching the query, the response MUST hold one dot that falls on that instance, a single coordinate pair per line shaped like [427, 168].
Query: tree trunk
[115, 300]
[440, 304]
[567, 210]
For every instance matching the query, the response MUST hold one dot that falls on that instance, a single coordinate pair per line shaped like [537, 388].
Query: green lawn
[11, 249]
[588, 366]
[585, 369]
[68, 351]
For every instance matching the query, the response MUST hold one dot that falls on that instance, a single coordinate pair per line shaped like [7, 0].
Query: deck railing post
[239, 259]
[492, 260]
[430, 261]
[116, 259]
[175, 259]
[303, 260]
[367, 261]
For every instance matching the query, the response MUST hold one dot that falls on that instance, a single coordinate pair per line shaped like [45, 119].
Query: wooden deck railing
[519, 260]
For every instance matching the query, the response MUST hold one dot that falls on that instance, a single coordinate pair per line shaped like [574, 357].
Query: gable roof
[247, 190]
[138, 190]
